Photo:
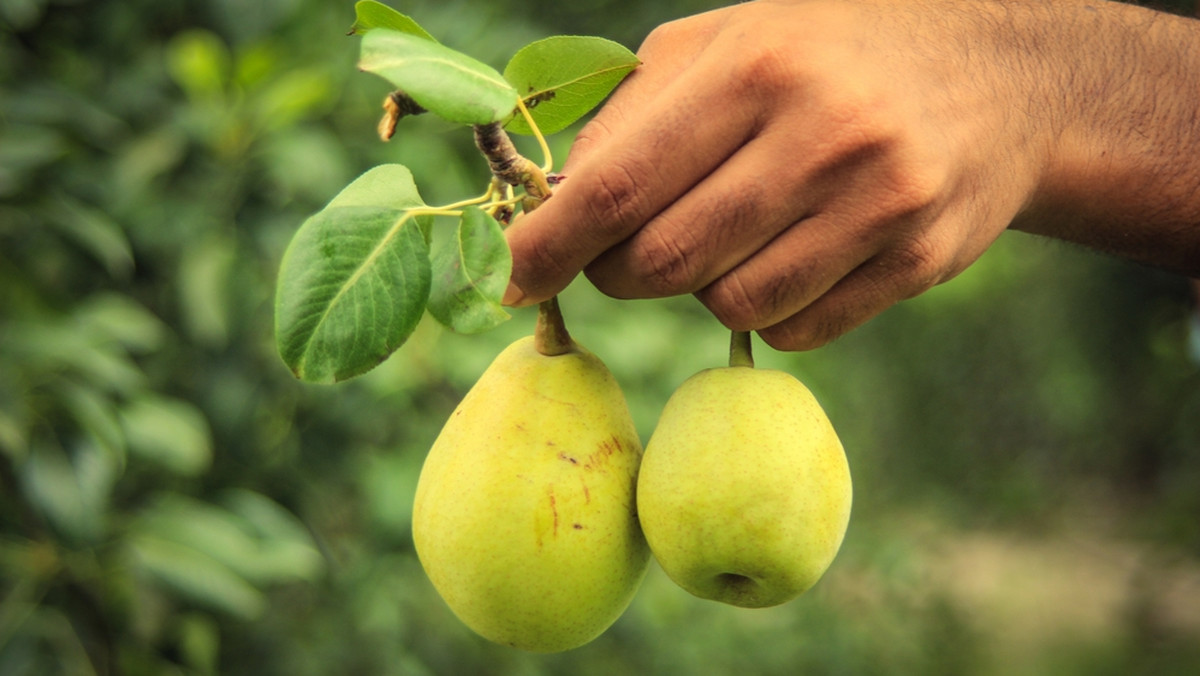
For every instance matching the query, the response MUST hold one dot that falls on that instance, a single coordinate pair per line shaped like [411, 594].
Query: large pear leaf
[369, 14]
[354, 280]
[471, 275]
[561, 78]
[443, 81]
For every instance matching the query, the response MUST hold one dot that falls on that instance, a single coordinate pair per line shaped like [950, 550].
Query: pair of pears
[536, 512]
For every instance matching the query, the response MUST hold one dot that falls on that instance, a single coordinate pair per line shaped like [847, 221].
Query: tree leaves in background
[471, 271]
[168, 432]
[354, 280]
[369, 14]
[94, 231]
[195, 575]
[444, 81]
[562, 78]
[219, 554]
[71, 490]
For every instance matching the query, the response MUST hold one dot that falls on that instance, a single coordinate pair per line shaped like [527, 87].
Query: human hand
[798, 166]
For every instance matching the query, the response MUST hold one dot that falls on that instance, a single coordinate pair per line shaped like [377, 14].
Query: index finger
[664, 141]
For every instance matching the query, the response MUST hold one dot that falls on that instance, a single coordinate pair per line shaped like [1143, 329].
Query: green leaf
[255, 537]
[286, 550]
[292, 96]
[169, 432]
[51, 485]
[354, 280]
[199, 62]
[121, 319]
[471, 273]
[94, 231]
[444, 81]
[200, 643]
[206, 291]
[14, 436]
[59, 344]
[369, 14]
[70, 491]
[196, 575]
[561, 78]
[97, 417]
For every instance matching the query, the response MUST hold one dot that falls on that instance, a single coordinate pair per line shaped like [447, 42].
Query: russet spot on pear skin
[524, 518]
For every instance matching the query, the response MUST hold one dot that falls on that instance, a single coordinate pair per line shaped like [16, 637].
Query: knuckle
[818, 324]
[664, 264]
[592, 134]
[614, 198]
[911, 267]
[736, 305]
[863, 137]
[924, 262]
[915, 187]
[542, 258]
[803, 333]
[662, 34]
[671, 36]
[763, 74]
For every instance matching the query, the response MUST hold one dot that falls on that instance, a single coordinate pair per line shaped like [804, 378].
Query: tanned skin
[801, 165]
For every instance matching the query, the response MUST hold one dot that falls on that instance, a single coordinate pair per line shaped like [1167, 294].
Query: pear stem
[739, 349]
[550, 336]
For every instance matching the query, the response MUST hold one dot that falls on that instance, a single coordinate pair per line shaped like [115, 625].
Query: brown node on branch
[395, 106]
[507, 164]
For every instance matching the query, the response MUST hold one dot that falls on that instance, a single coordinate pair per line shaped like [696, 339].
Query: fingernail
[513, 295]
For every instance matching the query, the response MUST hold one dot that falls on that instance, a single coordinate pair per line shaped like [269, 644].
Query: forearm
[1122, 93]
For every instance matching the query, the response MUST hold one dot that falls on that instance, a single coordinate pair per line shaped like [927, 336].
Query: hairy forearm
[1121, 96]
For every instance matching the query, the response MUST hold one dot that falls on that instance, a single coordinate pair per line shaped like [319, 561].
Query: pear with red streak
[525, 516]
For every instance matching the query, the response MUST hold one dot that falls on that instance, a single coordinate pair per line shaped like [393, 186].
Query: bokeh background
[1025, 440]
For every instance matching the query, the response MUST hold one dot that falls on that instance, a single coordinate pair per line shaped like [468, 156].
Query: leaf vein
[584, 78]
[349, 284]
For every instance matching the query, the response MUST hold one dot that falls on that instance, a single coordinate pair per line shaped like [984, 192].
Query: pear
[524, 518]
[744, 492]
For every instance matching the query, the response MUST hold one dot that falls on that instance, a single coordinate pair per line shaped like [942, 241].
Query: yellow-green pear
[744, 492]
[525, 516]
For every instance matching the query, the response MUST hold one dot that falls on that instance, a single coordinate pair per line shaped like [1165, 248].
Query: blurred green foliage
[1025, 439]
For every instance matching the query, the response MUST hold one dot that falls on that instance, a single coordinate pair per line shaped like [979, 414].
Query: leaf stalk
[547, 157]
